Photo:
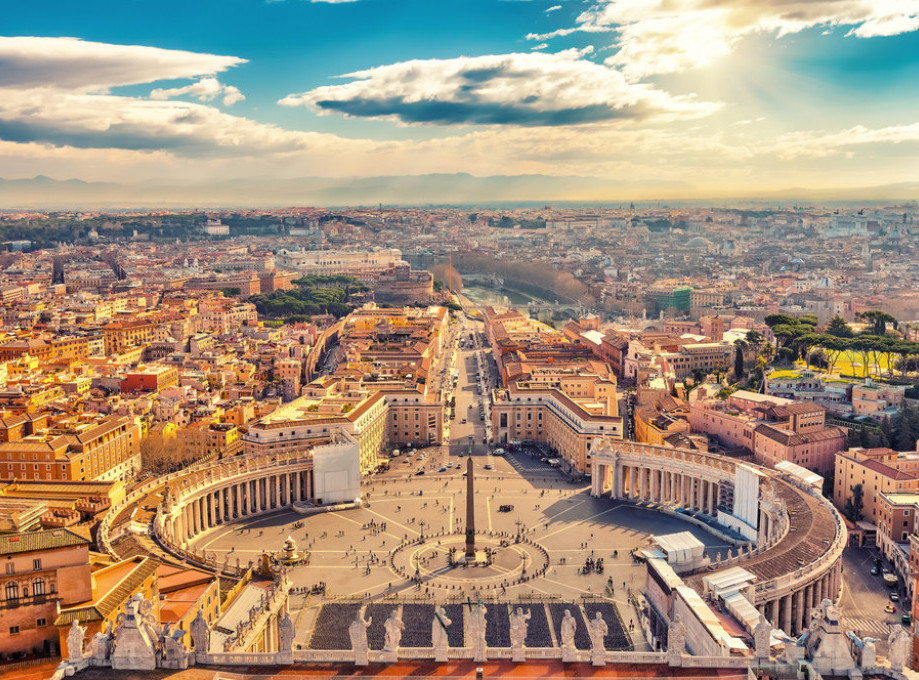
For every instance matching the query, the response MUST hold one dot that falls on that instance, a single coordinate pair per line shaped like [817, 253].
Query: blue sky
[722, 95]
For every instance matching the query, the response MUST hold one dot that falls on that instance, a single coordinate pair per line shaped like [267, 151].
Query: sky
[719, 97]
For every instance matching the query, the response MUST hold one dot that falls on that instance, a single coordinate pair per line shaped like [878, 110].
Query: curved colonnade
[206, 496]
[240, 489]
[795, 556]
[799, 536]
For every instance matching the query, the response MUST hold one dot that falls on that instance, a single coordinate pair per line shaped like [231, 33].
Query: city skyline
[687, 100]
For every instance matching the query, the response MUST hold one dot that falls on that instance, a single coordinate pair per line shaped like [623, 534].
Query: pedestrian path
[867, 627]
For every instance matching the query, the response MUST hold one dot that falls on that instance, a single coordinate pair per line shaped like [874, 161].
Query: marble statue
[898, 648]
[100, 647]
[519, 633]
[200, 633]
[135, 645]
[440, 639]
[477, 627]
[286, 633]
[676, 640]
[394, 628]
[762, 636]
[75, 642]
[147, 616]
[598, 630]
[173, 648]
[569, 626]
[357, 631]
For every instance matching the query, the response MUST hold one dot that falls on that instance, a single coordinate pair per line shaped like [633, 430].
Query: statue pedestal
[360, 658]
[598, 657]
[440, 654]
[479, 655]
[569, 655]
[389, 655]
[518, 654]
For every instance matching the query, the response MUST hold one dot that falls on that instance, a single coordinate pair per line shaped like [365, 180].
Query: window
[12, 591]
[14, 630]
[41, 622]
[36, 564]
[38, 586]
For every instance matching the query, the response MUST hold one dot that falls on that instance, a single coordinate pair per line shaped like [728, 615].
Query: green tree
[878, 320]
[854, 504]
[839, 328]
[755, 339]
[739, 347]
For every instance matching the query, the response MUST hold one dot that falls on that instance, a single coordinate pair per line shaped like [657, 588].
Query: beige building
[569, 416]
[877, 471]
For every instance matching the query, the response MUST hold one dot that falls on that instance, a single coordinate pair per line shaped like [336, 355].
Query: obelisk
[470, 512]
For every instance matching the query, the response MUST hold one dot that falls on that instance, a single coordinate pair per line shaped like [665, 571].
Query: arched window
[38, 586]
[12, 591]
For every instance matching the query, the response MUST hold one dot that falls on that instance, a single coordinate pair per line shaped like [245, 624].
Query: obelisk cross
[470, 511]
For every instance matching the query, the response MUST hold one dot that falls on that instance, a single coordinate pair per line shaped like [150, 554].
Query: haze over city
[468, 339]
[692, 100]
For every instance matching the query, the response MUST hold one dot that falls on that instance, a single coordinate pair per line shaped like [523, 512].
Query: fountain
[290, 556]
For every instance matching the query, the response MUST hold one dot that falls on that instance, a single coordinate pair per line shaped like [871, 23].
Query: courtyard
[539, 527]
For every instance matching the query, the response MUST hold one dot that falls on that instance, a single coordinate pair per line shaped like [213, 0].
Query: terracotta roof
[40, 540]
[109, 602]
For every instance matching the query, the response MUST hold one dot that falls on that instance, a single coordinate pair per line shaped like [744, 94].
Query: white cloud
[553, 8]
[78, 65]
[527, 89]
[821, 144]
[206, 90]
[57, 91]
[540, 46]
[668, 36]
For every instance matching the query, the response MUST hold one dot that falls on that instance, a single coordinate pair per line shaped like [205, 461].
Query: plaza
[372, 554]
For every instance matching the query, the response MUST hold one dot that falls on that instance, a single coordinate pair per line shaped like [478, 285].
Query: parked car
[894, 597]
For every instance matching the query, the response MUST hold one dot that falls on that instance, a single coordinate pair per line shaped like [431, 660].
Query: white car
[499, 452]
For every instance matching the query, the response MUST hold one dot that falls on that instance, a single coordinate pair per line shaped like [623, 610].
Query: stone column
[641, 483]
[798, 611]
[595, 480]
[785, 617]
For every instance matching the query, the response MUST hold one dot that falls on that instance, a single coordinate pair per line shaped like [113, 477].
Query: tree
[739, 347]
[755, 339]
[854, 504]
[878, 320]
[773, 320]
[839, 328]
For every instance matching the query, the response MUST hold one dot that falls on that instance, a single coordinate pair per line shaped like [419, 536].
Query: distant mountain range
[404, 190]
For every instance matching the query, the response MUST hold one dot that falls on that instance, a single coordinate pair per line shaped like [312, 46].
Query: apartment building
[150, 379]
[773, 429]
[120, 335]
[78, 448]
[43, 572]
[877, 471]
